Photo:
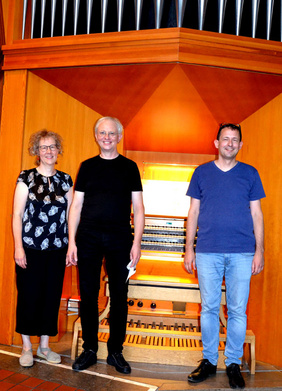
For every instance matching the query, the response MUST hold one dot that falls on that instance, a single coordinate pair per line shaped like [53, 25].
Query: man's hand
[258, 263]
[71, 258]
[135, 254]
[190, 261]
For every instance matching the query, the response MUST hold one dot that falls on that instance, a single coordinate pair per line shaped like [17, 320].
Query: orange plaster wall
[262, 148]
[174, 113]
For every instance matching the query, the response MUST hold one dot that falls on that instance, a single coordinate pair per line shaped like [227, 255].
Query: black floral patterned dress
[44, 220]
[45, 239]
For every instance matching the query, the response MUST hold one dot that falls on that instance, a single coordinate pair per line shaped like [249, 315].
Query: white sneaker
[50, 356]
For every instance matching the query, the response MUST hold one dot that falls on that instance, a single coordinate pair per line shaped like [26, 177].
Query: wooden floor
[102, 377]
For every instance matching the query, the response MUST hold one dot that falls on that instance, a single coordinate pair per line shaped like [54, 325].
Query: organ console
[164, 303]
[164, 234]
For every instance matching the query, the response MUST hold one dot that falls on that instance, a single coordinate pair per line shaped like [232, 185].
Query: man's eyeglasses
[44, 148]
[103, 134]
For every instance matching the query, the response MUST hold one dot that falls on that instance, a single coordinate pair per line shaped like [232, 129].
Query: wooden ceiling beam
[175, 45]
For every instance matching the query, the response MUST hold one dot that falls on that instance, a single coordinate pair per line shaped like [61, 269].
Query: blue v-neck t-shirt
[225, 222]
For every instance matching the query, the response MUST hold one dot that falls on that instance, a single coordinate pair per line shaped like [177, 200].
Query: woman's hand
[20, 257]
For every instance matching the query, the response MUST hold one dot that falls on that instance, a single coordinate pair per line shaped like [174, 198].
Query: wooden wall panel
[12, 16]
[11, 138]
[263, 149]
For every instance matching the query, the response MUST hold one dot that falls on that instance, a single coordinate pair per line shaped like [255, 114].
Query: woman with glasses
[41, 203]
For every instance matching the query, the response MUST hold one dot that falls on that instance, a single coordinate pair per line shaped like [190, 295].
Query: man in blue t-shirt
[225, 206]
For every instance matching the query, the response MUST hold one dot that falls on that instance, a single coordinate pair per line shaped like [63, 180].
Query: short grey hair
[117, 123]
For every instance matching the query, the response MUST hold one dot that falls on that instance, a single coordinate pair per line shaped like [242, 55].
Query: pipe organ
[163, 304]
[163, 301]
[47, 17]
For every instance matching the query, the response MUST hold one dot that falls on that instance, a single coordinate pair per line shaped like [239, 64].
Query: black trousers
[39, 292]
[92, 247]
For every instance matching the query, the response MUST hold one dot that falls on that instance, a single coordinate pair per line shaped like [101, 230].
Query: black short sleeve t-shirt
[107, 187]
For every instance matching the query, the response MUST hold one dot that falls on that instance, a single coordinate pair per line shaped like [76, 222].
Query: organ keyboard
[164, 234]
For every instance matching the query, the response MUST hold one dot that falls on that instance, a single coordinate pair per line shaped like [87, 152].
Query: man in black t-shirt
[99, 220]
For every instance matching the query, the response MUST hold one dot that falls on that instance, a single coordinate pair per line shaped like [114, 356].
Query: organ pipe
[138, 11]
[269, 13]
[221, 13]
[202, 6]
[43, 6]
[255, 9]
[76, 4]
[64, 14]
[88, 14]
[120, 5]
[180, 7]
[53, 11]
[158, 12]
[238, 14]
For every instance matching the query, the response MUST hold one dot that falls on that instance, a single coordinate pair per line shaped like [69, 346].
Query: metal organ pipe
[88, 14]
[76, 4]
[202, 6]
[24, 17]
[33, 16]
[104, 8]
[158, 12]
[221, 13]
[64, 14]
[180, 7]
[43, 6]
[120, 5]
[138, 11]
[269, 13]
[238, 14]
[255, 9]
[53, 11]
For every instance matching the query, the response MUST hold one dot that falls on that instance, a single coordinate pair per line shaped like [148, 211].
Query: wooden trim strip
[146, 46]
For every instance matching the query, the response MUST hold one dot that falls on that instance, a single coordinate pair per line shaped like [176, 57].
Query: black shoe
[235, 378]
[117, 360]
[204, 370]
[85, 360]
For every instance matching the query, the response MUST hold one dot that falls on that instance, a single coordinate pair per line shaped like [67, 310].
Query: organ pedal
[163, 344]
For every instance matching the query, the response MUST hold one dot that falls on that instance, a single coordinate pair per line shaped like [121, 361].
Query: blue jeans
[237, 270]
